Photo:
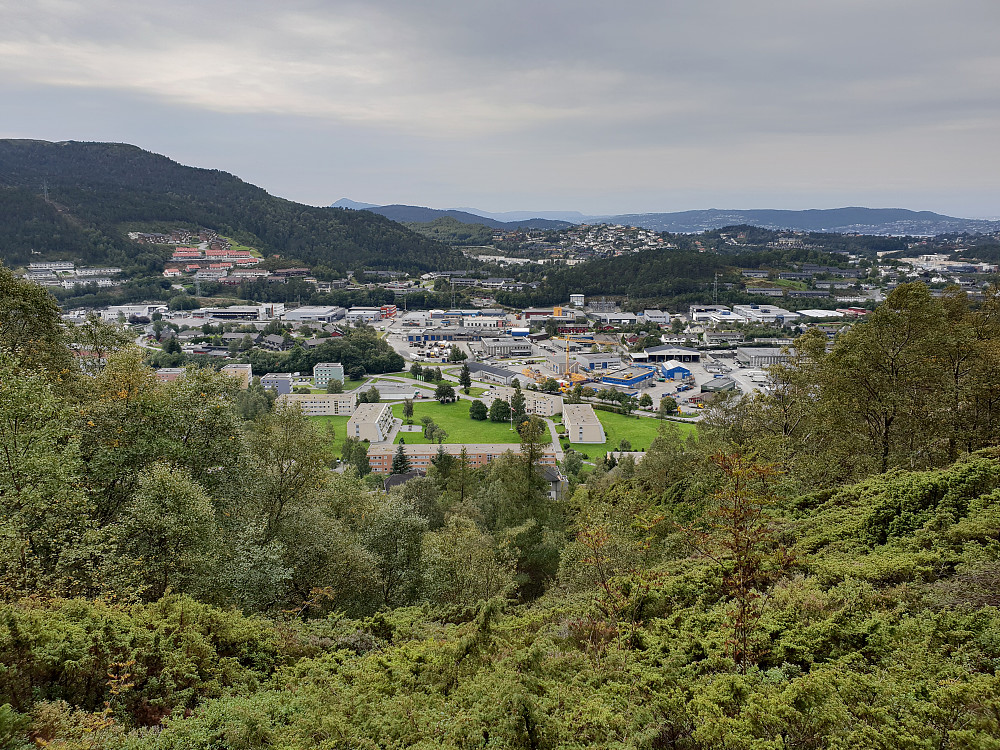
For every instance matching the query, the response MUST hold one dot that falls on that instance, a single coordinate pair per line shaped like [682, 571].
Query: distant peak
[348, 203]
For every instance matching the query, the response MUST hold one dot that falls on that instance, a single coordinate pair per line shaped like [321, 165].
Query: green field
[454, 418]
[639, 431]
[339, 425]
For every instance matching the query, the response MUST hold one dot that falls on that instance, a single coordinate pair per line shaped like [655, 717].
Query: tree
[335, 385]
[369, 396]
[551, 385]
[667, 407]
[285, 466]
[645, 400]
[166, 537]
[445, 393]
[499, 410]
[628, 403]
[172, 346]
[400, 461]
[465, 379]
[354, 453]
[532, 430]
[417, 371]
[408, 408]
[518, 406]
[478, 411]
[392, 531]
[457, 355]
[462, 565]
[737, 536]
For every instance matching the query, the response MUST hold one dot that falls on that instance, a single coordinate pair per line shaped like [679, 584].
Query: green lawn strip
[639, 431]
[454, 418]
[339, 425]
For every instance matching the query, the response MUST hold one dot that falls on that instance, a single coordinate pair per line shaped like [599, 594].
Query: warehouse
[669, 351]
[755, 356]
[674, 370]
[629, 377]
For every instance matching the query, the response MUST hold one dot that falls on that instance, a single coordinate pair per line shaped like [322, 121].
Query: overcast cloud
[600, 107]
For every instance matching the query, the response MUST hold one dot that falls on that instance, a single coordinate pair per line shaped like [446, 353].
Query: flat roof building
[311, 313]
[244, 373]
[169, 374]
[321, 404]
[371, 422]
[280, 382]
[757, 356]
[491, 373]
[582, 424]
[324, 372]
[507, 347]
[629, 377]
[668, 352]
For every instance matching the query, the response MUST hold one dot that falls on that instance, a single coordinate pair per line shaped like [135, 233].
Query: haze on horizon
[587, 106]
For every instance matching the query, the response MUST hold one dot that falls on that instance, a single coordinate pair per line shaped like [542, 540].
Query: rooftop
[580, 413]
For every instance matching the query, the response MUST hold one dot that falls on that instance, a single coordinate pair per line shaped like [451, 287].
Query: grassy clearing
[339, 425]
[639, 431]
[454, 418]
[234, 245]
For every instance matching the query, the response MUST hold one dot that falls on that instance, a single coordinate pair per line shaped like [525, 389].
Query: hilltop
[423, 215]
[78, 200]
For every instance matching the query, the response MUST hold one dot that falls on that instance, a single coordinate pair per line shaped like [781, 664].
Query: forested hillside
[180, 569]
[96, 190]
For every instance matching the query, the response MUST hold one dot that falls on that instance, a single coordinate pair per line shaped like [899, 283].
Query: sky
[601, 107]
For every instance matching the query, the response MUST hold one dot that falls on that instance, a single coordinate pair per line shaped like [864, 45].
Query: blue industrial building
[629, 377]
[674, 370]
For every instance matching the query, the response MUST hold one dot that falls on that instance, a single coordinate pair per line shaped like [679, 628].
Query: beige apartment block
[371, 422]
[540, 404]
[420, 456]
[321, 404]
[582, 424]
[244, 373]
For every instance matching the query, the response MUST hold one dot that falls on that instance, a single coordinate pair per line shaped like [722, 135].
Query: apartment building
[371, 422]
[582, 424]
[243, 373]
[322, 404]
[324, 372]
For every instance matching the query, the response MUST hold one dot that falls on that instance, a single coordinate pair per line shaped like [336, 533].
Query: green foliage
[105, 189]
[478, 411]
[180, 567]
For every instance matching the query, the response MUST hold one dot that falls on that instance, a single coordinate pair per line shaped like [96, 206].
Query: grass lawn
[339, 425]
[454, 418]
[350, 385]
[639, 431]
[234, 245]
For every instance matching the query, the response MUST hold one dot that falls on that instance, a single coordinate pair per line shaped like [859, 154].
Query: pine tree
[465, 379]
[400, 462]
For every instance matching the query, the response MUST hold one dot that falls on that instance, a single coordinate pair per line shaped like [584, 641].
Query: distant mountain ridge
[424, 215]
[895, 221]
[75, 200]
[848, 220]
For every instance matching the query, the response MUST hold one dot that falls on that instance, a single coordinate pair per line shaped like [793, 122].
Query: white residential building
[371, 422]
[323, 404]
